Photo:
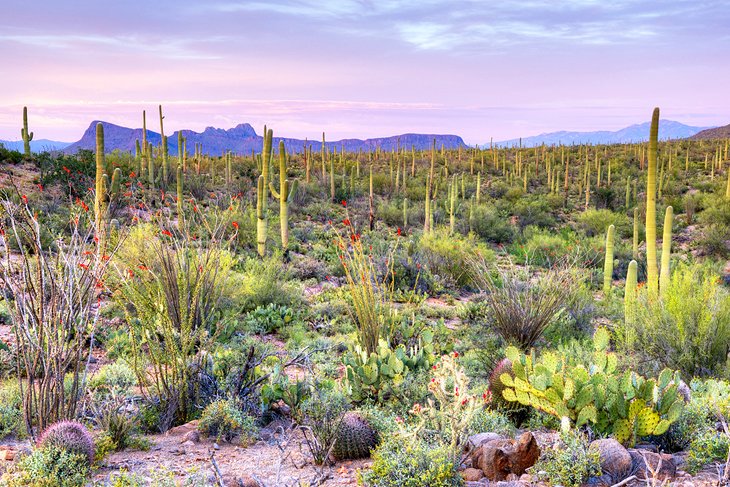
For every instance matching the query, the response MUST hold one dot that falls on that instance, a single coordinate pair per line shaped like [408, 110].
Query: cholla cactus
[70, 436]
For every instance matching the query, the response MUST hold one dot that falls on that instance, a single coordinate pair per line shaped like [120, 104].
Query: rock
[685, 391]
[7, 455]
[653, 466]
[497, 459]
[193, 436]
[472, 474]
[615, 459]
[183, 429]
[188, 444]
[247, 481]
[475, 441]
[216, 446]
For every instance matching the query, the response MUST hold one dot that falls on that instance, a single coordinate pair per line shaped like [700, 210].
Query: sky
[363, 68]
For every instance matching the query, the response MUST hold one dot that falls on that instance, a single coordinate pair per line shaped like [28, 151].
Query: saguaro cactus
[666, 250]
[285, 195]
[262, 192]
[652, 281]
[635, 243]
[179, 184]
[608, 260]
[165, 161]
[27, 136]
[100, 189]
[630, 300]
[405, 212]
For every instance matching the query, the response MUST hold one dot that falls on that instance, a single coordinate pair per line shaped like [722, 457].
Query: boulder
[472, 474]
[615, 459]
[475, 441]
[498, 459]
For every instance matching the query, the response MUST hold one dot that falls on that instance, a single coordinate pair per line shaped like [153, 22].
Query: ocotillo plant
[608, 260]
[100, 173]
[27, 136]
[666, 250]
[285, 196]
[652, 278]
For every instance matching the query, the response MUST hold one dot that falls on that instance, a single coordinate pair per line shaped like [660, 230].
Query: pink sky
[363, 68]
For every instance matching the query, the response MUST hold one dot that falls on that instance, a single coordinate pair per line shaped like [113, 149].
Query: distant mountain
[668, 129]
[39, 145]
[716, 133]
[242, 139]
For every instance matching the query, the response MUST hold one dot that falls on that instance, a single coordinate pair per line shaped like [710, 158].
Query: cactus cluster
[71, 436]
[374, 376]
[355, 438]
[627, 405]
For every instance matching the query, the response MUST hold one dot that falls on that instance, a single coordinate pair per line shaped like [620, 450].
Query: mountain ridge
[713, 133]
[668, 129]
[242, 139]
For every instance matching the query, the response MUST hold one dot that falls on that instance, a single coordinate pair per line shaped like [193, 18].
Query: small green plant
[707, 446]
[323, 415]
[270, 318]
[115, 378]
[223, 420]
[571, 464]
[401, 462]
[50, 466]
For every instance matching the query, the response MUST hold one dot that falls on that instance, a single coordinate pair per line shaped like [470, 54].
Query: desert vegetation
[554, 315]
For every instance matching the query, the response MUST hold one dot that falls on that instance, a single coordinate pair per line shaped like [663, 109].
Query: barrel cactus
[355, 438]
[71, 436]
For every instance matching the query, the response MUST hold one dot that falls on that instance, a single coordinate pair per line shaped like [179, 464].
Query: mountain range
[668, 129]
[39, 145]
[716, 133]
[242, 139]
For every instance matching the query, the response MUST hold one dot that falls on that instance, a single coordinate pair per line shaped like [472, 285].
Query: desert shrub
[524, 304]
[117, 423]
[407, 462]
[489, 420]
[50, 467]
[572, 464]
[595, 222]
[449, 255]
[490, 225]
[714, 241]
[11, 417]
[533, 212]
[707, 446]
[689, 328]
[70, 436]
[265, 281]
[223, 420]
[541, 248]
[322, 413]
[114, 378]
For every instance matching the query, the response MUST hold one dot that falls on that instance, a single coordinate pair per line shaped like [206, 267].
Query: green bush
[571, 464]
[409, 462]
[707, 446]
[223, 420]
[486, 222]
[488, 420]
[322, 413]
[595, 222]
[11, 418]
[265, 281]
[689, 328]
[451, 255]
[50, 467]
[115, 378]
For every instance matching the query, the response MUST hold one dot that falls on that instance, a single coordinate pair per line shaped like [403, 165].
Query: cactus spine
[666, 250]
[285, 195]
[651, 262]
[608, 260]
[27, 136]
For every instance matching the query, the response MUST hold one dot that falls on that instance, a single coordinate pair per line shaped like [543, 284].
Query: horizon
[353, 69]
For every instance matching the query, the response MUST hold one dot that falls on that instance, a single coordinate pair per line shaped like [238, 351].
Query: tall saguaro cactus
[179, 184]
[630, 299]
[652, 277]
[285, 195]
[666, 251]
[262, 192]
[608, 260]
[165, 162]
[27, 136]
[100, 189]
